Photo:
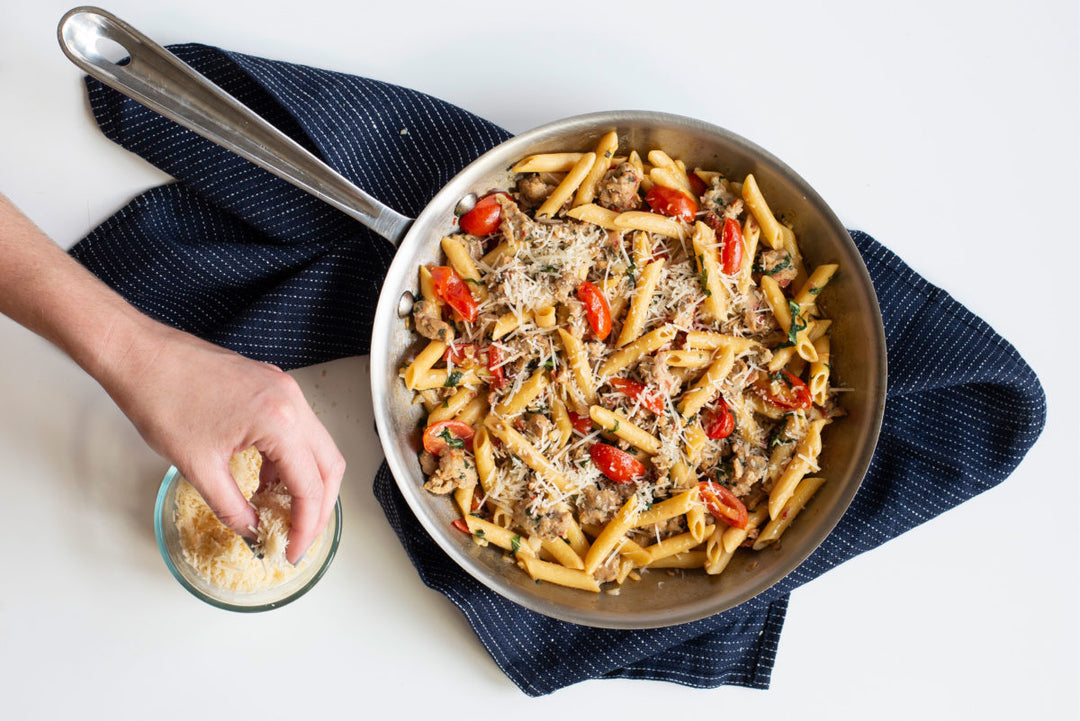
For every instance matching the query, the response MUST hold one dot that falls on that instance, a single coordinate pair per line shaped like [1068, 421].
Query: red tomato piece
[723, 504]
[597, 310]
[697, 185]
[732, 248]
[485, 216]
[784, 390]
[453, 291]
[455, 434]
[582, 424]
[639, 392]
[719, 422]
[459, 354]
[495, 367]
[460, 524]
[672, 202]
[616, 464]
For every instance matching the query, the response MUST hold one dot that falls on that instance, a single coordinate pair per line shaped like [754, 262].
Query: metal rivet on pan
[465, 205]
[405, 304]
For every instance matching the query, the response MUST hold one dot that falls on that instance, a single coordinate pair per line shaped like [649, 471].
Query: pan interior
[858, 363]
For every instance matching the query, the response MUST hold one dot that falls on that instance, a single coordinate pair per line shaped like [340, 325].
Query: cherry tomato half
[495, 367]
[597, 310]
[723, 504]
[731, 252]
[454, 292]
[616, 464]
[719, 422]
[582, 424]
[460, 354]
[455, 434]
[697, 185]
[784, 390]
[669, 201]
[461, 525]
[485, 216]
[639, 392]
[732, 248]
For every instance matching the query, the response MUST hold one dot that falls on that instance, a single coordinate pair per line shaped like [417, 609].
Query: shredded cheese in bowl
[216, 565]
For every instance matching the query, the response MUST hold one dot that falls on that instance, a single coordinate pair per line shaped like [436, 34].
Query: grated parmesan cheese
[218, 554]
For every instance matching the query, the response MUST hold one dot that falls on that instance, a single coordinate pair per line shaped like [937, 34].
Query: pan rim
[386, 316]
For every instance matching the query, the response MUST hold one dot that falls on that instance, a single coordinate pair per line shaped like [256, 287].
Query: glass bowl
[168, 539]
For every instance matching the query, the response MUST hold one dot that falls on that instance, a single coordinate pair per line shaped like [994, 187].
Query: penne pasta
[590, 420]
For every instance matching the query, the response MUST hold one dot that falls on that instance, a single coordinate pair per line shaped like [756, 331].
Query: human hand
[197, 404]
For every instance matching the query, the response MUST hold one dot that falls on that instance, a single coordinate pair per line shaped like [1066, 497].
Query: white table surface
[946, 130]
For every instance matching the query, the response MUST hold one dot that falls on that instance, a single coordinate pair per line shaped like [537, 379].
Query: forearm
[47, 291]
[195, 403]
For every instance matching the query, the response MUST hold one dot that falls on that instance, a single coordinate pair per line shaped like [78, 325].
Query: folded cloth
[243, 259]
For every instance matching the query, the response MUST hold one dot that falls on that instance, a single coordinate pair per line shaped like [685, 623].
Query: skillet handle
[162, 82]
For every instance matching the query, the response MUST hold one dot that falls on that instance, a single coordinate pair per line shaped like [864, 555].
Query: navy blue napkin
[234, 255]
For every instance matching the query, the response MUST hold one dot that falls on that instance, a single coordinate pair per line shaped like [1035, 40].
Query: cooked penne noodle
[672, 507]
[755, 201]
[613, 532]
[671, 177]
[561, 575]
[733, 537]
[421, 366]
[545, 317]
[560, 550]
[651, 341]
[671, 546]
[688, 358]
[504, 538]
[452, 406]
[605, 151]
[547, 163]
[590, 213]
[808, 292]
[707, 255]
[697, 339]
[508, 322]
[529, 391]
[708, 386]
[804, 461]
[650, 223]
[620, 425]
[579, 365]
[566, 188]
[462, 263]
[639, 306]
[819, 372]
[776, 527]
[520, 447]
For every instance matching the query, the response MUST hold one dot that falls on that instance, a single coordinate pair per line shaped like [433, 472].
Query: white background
[947, 130]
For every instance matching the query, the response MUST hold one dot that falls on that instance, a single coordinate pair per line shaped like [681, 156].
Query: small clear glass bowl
[168, 539]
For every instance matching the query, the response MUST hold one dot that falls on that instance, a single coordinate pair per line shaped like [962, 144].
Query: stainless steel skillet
[159, 80]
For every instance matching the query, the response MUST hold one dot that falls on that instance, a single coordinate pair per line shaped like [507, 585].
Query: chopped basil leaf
[451, 441]
[703, 278]
[453, 379]
[515, 544]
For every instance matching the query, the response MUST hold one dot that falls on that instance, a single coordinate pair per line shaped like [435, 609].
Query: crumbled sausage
[619, 188]
[778, 264]
[429, 323]
[456, 470]
[532, 190]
